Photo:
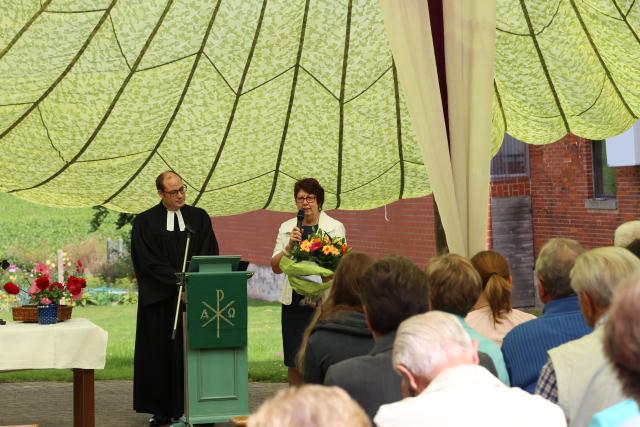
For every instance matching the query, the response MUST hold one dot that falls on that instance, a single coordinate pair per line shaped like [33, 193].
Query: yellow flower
[330, 249]
[305, 245]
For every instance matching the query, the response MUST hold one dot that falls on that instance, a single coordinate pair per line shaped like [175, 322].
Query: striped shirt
[525, 347]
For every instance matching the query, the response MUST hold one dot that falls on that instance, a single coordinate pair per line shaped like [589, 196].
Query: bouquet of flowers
[42, 289]
[318, 255]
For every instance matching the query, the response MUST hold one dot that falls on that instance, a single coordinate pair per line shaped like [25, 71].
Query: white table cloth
[76, 343]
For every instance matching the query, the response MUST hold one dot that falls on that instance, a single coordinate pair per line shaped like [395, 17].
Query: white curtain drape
[459, 168]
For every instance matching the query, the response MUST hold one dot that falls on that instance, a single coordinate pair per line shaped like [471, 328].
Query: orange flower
[305, 246]
[330, 250]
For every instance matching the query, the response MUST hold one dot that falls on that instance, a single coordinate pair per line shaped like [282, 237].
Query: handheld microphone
[300, 217]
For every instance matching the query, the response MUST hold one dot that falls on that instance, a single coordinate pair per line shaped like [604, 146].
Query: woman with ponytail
[492, 314]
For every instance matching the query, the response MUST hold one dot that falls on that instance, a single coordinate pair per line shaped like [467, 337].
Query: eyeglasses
[174, 193]
[309, 199]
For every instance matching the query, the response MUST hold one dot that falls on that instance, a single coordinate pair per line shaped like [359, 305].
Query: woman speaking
[296, 315]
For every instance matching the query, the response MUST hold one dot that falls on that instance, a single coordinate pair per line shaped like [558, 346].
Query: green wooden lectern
[216, 376]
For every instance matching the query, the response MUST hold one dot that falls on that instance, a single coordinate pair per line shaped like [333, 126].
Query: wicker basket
[29, 313]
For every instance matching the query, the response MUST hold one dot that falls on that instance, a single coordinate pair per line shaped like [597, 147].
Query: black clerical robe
[157, 254]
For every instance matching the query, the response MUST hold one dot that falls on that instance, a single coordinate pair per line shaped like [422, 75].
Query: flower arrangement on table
[317, 255]
[41, 289]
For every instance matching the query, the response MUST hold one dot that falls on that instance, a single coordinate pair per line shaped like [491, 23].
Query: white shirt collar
[170, 220]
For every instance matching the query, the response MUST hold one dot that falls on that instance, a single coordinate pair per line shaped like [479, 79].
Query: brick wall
[561, 181]
[407, 230]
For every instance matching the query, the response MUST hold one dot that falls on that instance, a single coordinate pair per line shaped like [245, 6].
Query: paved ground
[50, 404]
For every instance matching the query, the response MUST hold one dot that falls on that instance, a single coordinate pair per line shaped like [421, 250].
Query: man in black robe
[157, 249]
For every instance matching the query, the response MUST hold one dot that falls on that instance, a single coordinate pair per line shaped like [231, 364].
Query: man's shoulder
[526, 330]
[146, 214]
[588, 340]
[395, 413]
[348, 371]
[193, 210]
[352, 363]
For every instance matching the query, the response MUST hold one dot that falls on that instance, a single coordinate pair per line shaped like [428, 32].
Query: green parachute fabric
[243, 97]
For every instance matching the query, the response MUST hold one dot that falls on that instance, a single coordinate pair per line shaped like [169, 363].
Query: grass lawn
[265, 345]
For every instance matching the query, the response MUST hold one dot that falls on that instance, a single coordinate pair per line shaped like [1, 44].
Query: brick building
[537, 192]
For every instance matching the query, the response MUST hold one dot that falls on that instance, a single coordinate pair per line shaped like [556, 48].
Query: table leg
[83, 398]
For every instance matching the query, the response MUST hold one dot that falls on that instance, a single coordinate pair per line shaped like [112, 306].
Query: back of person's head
[634, 247]
[309, 406]
[344, 291]
[622, 336]
[626, 233]
[553, 266]
[427, 342]
[454, 284]
[495, 273]
[343, 296]
[393, 289]
[599, 271]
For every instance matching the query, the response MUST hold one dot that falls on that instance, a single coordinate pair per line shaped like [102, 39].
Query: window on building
[604, 176]
[511, 161]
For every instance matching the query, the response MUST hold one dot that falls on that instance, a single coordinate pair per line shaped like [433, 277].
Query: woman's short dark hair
[392, 290]
[311, 186]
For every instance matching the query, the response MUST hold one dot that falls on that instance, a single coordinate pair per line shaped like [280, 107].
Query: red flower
[315, 246]
[73, 280]
[58, 285]
[344, 248]
[11, 288]
[42, 282]
[74, 287]
[79, 266]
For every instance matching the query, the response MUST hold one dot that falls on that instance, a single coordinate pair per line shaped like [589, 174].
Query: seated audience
[626, 233]
[338, 330]
[444, 386]
[577, 375]
[392, 289]
[455, 286]
[634, 247]
[622, 348]
[492, 314]
[525, 347]
[309, 406]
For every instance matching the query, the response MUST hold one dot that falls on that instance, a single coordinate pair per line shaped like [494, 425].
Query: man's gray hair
[426, 341]
[600, 270]
[554, 264]
[626, 233]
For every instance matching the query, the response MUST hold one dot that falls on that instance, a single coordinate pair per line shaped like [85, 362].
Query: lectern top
[213, 263]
